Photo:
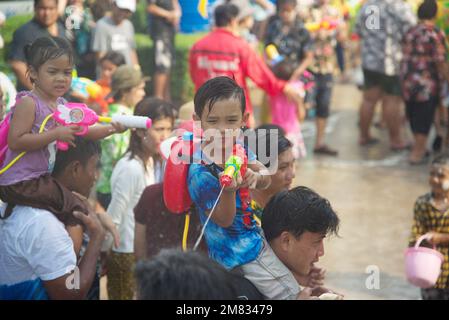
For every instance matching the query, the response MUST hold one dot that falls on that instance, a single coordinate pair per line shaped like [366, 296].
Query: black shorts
[389, 84]
[164, 51]
[322, 94]
[421, 115]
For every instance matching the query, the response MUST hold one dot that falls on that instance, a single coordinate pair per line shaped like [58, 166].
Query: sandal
[370, 142]
[325, 150]
[401, 148]
[424, 160]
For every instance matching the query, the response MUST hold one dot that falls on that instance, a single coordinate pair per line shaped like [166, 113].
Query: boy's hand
[236, 183]
[66, 133]
[436, 238]
[250, 180]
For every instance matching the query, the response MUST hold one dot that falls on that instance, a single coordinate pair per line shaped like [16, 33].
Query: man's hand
[322, 290]
[314, 279]
[93, 225]
[306, 294]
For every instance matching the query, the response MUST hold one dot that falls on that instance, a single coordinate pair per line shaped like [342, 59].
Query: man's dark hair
[116, 58]
[85, 149]
[217, 89]
[177, 275]
[428, 10]
[224, 14]
[297, 211]
[36, 2]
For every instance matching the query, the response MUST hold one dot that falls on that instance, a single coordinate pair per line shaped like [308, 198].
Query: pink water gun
[78, 114]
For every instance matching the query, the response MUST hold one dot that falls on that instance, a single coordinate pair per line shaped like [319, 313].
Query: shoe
[325, 150]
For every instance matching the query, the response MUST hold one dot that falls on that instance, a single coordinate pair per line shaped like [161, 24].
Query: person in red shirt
[223, 53]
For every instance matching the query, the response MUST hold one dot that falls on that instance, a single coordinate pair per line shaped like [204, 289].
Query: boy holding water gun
[221, 198]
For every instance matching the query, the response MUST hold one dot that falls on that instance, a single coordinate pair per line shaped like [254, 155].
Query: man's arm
[134, 58]
[305, 63]
[61, 288]
[20, 70]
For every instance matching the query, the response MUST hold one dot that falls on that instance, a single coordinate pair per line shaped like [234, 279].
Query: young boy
[295, 223]
[233, 237]
[431, 218]
[164, 22]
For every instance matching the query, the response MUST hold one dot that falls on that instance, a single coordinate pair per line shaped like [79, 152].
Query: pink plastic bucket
[423, 265]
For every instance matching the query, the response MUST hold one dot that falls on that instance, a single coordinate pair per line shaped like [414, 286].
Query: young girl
[132, 174]
[28, 182]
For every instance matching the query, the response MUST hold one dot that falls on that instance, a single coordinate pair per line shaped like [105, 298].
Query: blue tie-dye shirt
[236, 245]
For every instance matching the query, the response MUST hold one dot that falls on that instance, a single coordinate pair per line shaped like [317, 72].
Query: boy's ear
[245, 118]
[195, 117]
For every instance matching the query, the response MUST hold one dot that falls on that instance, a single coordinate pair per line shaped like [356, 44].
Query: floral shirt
[291, 42]
[381, 25]
[112, 149]
[324, 40]
[424, 47]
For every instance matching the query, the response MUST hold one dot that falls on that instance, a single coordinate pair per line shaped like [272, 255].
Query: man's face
[46, 12]
[118, 15]
[85, 177]
[287, 13]
[303, 252]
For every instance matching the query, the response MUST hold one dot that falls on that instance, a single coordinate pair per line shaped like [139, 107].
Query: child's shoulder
[423, 200]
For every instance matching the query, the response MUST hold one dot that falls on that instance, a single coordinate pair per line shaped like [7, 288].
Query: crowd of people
[68, 218]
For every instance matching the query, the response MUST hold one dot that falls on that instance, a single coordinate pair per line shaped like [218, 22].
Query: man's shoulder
[25, 29]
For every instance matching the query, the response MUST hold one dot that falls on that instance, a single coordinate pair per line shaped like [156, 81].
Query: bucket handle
[421, 239]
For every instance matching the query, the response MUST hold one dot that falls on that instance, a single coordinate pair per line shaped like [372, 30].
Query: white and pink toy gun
[79, 114]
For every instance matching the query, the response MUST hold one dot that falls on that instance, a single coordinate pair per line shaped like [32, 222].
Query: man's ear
[75, 168]
[285, 240]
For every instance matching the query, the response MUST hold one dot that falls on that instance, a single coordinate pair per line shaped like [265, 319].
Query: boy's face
[225, 118]
[303, 252]
[439, 179]
[118, 15]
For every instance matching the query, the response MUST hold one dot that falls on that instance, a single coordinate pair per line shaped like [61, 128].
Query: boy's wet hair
[225, 13]
[297, 211]
[47, 48]
[442, 159]
[177, 275]
[116, 58]
[84, 150]
[217, 89]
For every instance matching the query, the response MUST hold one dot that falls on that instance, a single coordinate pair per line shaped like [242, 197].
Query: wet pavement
[373, 190]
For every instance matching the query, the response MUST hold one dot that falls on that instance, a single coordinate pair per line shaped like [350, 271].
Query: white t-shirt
[34, 247]
[128, 181]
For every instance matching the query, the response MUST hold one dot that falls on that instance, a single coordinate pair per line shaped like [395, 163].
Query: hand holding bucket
[423, 265]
